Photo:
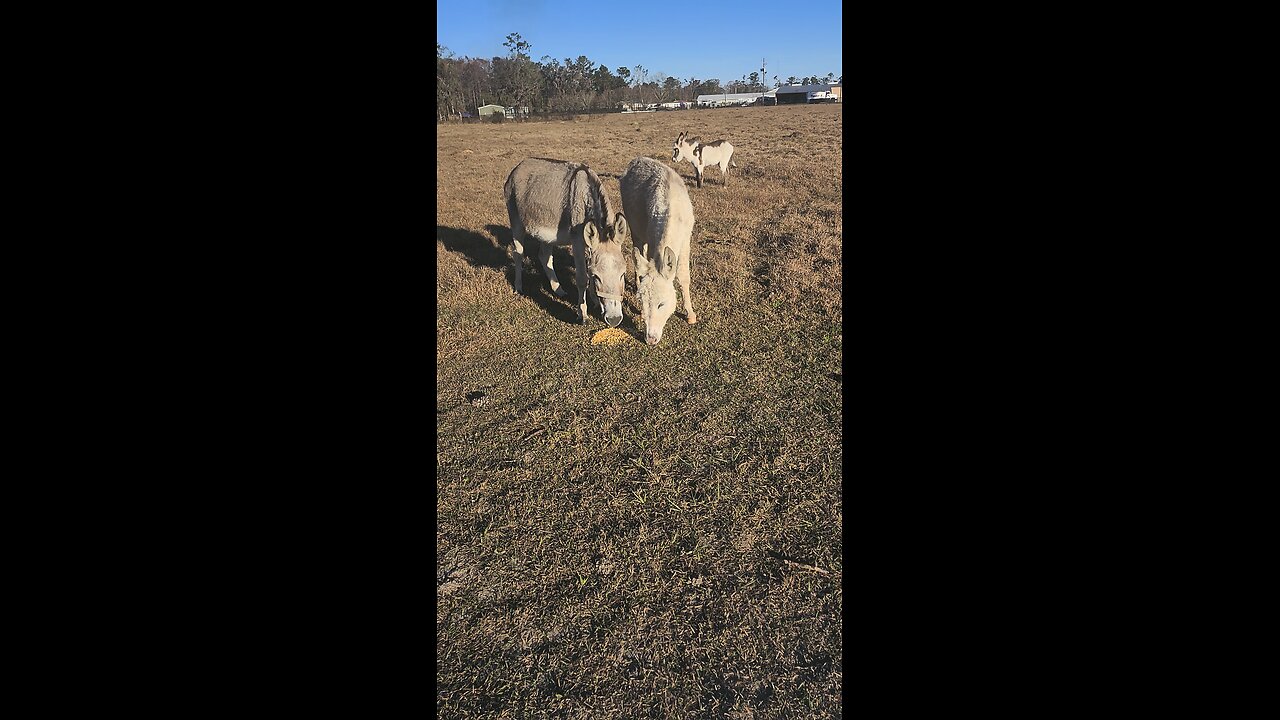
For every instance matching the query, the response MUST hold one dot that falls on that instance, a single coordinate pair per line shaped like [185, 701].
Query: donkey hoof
[560, 292]
[693, 318]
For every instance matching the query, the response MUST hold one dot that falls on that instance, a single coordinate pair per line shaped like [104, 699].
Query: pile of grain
[611, 336]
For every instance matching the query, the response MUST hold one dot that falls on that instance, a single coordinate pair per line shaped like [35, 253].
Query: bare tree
[640, 76]
[448, 85]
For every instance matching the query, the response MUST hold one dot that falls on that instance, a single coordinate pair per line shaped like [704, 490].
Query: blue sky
[661, 35]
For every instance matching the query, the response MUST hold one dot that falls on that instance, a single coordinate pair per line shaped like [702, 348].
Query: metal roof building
[801, 93]
[728, 98]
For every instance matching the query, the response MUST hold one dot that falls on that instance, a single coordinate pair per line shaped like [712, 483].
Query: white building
[727, 99]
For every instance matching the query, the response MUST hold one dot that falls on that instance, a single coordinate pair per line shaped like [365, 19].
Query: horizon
[612, 35]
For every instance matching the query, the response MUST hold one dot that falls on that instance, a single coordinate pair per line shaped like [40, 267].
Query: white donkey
[557, 202]
[655, 198]
[703, 156]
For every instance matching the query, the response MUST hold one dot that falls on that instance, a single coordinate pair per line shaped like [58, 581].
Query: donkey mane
[598, 198]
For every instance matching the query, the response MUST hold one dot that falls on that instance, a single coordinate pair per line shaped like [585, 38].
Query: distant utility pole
[764, 76]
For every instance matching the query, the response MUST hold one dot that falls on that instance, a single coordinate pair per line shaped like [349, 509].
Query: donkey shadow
[478, 250]
[491, 252]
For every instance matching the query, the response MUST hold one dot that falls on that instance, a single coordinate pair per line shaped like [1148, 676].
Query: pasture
[632, 531]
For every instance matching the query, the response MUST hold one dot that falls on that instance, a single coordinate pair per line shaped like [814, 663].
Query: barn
[801, 93]
[487, 110]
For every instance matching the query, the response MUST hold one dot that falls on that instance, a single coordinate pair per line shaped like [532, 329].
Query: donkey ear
[668, 269]
[642, 264]
[591, 235]
[621, 231]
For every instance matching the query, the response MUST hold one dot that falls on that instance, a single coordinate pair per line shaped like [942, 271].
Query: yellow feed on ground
[611, 336]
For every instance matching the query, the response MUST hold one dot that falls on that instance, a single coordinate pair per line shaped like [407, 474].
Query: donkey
[655, 198]
[560, 203]
[701, 156]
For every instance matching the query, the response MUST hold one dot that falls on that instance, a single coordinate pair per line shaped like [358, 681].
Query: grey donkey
[655, 198]
[557, 202]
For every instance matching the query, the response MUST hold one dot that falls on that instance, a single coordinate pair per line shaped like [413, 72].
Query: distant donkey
[655, 198]
[557, 202]
[702, 156]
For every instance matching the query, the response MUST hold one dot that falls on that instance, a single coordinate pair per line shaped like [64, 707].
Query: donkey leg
[682, 274]
[580, 269]
[548, 264]
[517, 254]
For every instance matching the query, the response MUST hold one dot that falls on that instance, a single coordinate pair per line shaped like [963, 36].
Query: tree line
[463, 84]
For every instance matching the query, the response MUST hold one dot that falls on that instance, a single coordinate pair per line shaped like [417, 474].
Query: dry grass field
[632, 531]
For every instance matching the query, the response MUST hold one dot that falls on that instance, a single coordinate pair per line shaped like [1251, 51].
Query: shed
[486, 110]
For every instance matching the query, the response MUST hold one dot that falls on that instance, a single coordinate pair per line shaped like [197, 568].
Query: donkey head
[655, 290]
[607, 265]
[682, 148]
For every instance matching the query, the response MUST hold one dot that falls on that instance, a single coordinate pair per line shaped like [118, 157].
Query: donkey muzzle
[612, 315]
